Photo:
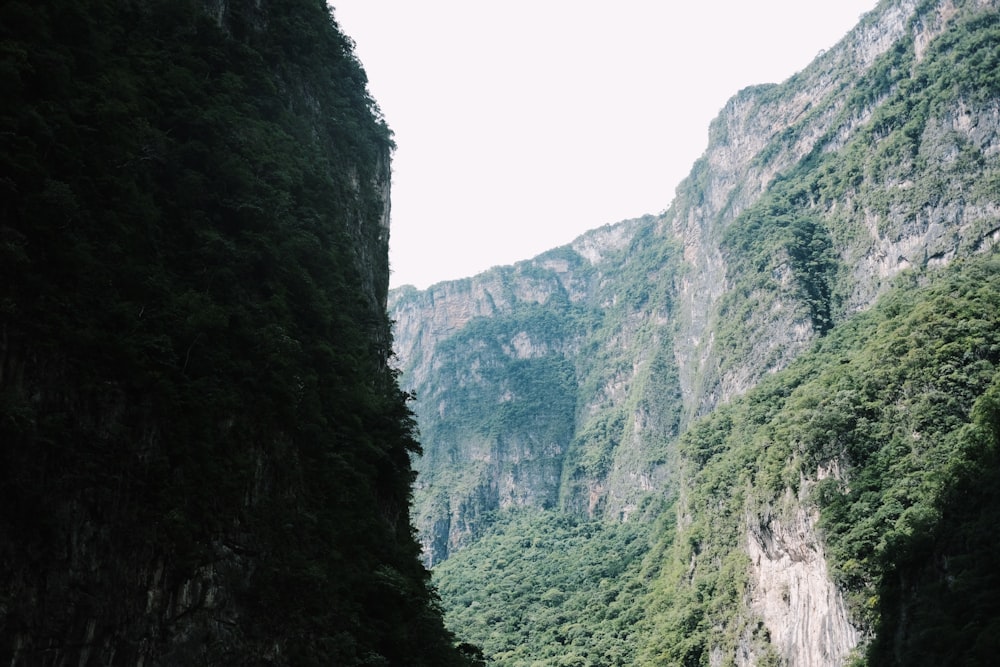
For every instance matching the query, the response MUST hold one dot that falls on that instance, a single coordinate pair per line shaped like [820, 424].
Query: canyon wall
[564, 381]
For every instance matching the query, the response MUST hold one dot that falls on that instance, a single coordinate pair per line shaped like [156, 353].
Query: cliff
[594, 380]
[548, 384]
[203, 450]
[874, 114]
[828, 121]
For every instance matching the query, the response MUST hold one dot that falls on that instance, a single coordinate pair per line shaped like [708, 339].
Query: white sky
[522, 124]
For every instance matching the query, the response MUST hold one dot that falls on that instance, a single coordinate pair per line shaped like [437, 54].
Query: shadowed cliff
[204, 456]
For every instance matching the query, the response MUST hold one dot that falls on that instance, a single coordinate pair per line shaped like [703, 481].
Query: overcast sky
[522, 124]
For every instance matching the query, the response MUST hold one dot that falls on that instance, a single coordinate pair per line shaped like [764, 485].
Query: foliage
[901, 398]
[890, 397]
[938, 598]
[575, 589]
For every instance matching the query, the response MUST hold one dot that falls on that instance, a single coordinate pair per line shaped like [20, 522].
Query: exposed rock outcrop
[792, 592]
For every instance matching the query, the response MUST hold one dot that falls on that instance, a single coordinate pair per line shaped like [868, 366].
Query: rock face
[792, 592]
[555, 433]
[563, 381]
[766, 131]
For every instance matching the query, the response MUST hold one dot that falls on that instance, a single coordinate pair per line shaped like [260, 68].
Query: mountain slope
[580, 381]
[203, 451]
[844, 497]
[838, 471]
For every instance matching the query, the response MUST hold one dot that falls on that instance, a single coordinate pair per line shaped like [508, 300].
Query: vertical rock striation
[792, 592]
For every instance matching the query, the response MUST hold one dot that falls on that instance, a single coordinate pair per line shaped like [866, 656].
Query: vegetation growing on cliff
[526, 390]
[890, 399]
[886, 423]
[901, 400]
[205, 457]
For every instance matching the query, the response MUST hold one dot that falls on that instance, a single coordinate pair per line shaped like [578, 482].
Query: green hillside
[905, 397]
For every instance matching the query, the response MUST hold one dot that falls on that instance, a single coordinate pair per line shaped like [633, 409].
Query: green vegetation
[904, 399]
[194, 393]
[873, 401]
[541, 589]
[938, 597]
[891, 397]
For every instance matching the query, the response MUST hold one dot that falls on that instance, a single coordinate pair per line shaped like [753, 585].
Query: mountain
[784, 386]
[204, 454]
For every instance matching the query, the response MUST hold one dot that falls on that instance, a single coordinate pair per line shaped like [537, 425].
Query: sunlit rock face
[503, 366]
[792, 592]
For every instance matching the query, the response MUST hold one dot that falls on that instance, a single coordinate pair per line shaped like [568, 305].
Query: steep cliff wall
[841, 107]
[203, 452]
[812, 198]
[818, 152]
[583, 337]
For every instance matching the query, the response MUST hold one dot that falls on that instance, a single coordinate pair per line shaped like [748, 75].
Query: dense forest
[204, 454]
[762, 427]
